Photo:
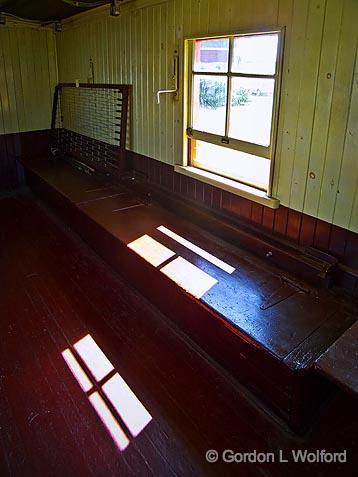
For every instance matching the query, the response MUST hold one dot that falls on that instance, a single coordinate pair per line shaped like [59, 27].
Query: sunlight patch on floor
[77, 371]
[93, 356]
[109, 421]
[126, 403]
[117, 406]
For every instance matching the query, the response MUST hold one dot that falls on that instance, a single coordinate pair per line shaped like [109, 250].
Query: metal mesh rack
[90, 123]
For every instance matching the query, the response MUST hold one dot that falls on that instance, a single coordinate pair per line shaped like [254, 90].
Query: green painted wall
[316, 169]
[28, 74]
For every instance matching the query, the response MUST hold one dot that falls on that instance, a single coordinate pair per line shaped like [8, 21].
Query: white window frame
[190, 134]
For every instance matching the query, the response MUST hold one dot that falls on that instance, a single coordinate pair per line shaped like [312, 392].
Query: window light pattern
[117, 406]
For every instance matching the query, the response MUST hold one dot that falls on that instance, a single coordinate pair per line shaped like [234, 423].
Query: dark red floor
[53, 292]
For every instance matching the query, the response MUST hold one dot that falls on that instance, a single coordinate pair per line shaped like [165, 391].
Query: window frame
[190, 134]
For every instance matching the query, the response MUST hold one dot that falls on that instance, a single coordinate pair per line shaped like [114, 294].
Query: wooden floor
[53, 292]
[261, 324]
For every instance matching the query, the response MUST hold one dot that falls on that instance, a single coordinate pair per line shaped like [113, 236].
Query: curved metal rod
[74, 3]
[25, 20]
[165, 91]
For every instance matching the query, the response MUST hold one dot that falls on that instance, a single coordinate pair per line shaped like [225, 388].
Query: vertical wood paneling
[339, 112]
[51, 63]
[4, 99]
[28, 74]
[346, 211]
[16, 63]
[284, 20]
[307, 99]
[295, 76]
[353, 222]
[11, 120]
[178, 32]
[318, 117]
[163, 107]
[329, 51]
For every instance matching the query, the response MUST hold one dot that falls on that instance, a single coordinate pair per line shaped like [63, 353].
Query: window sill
[229, 185]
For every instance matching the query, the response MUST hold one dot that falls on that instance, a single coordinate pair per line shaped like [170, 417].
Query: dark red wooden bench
[340, 362]
[258, 325]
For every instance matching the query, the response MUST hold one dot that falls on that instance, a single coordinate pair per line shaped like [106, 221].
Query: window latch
[225, 140]
[189, 131]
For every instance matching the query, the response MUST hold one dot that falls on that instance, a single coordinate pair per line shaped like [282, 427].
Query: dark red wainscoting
[19, 145]
[298, 228]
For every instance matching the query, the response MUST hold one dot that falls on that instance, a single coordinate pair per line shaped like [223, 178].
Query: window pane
[251, 110]
[247, 168]
[209, 104]
[255, 54]
[211, 55]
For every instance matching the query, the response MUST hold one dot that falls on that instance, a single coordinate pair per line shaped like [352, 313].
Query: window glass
[211, 55]
[251, 109]
[233, 87]
[255, 54]
[209, 103]
[237, 165]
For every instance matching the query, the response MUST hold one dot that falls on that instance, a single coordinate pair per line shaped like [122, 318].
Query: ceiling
[42, 10]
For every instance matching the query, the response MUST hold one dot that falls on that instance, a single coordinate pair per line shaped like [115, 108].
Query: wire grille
[95, 113]
[90, 121]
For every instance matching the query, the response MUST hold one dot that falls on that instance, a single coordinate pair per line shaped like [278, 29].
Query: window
[232, 102]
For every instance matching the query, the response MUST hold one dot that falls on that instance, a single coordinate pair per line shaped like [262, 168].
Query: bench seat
[340, 362]
[242, 312]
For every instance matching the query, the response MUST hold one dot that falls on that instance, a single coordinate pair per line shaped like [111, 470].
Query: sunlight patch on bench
[152, 251]
[199, 251]
[189, 277]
